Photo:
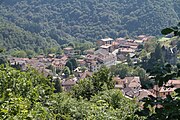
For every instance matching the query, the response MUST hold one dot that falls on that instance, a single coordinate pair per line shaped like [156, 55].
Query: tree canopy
[29, 95]
[85, 20]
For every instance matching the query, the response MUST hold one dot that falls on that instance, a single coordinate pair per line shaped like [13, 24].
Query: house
[90, 51]
[139, 41]
[121, 40]
[145, 38]
[90, 58]
[47, 72]
[68, 84]
[162, 91]
[107, 47]
[133, 82]
[81, 62]
[130, 40]
[174, 83]
[40, 57]
[115, 45]
[68, 51]
[92, 63]
[128, 82]
[85, 74]
[20, 63]
[51, 55]
[166, 89]
[141, 37]
[119, 83]
[143, 93]
[124, 52]
[59, 63]
[105, 58]
[130, 86]
[93, 66]
[105, 41]
[132, 45]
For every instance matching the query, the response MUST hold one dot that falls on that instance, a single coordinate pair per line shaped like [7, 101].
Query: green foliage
[102, 80]
[22, 43]
[156, 59]
[21, 92]
[3, 58]
[150, 45]
[122, 70]
[100, 107]
[71, 64]
[28, 95]
[66, 71]
[90, 20]
[57, 85]
[21, 54]
[174, 29]
[158, 108]
[84, 89]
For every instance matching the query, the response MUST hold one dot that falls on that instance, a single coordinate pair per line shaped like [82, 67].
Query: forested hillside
[14, 39]
[68, 20]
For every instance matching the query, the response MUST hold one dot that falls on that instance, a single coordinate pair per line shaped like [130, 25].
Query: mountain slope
[68, 20]
[13, 38]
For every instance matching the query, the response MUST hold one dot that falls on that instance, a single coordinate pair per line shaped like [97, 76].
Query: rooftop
[101, 51]
[126, 50]
[105, 46]
[107, 39]
[68, 48]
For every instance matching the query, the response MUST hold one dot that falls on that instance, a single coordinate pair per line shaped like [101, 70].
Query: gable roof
[144, 93]
[86, 74]
[133, 81]
[174, 82]
[69, 82]
[101, 51]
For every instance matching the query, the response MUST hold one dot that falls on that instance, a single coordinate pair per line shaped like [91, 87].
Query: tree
[156, 59]
[141, 73]
[102, 80]
[57, 86]
[30, 53]
[174, 29]
[71, 64]
[129, 61]
[66, 71]
[155, 107]
[3, 58]
[21, 54]
[84, 89]
[158, 108]
[22, 92]
[122, 70]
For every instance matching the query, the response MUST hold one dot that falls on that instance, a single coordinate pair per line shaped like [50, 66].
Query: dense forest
[14, 39]
[84, 20]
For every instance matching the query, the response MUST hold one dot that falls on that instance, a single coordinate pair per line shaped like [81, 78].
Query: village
[110, 52]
